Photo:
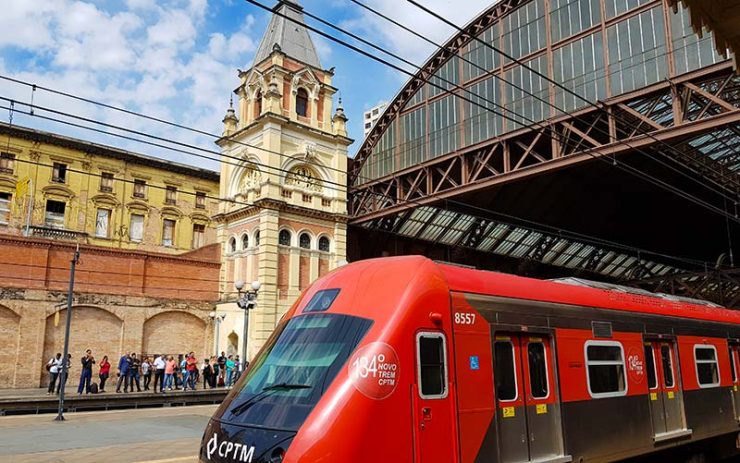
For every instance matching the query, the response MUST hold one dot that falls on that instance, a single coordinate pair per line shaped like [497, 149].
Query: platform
[34, 401]
[123, 436]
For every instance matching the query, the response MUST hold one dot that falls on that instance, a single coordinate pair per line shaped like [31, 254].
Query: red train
[405, 360]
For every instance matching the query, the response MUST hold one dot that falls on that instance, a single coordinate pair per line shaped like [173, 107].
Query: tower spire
[288, 36]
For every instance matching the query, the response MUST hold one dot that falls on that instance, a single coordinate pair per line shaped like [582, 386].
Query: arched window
[232, 244]
[245, 241]
[304, 241]
[284, 238]
[257, 103]
[324, 244]
[301, 102]
[257, 238]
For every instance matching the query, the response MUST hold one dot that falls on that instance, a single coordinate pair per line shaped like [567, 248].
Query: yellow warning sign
[541, 409]
[653, 396]
[671, 394]
[509, 412]
[734, 387]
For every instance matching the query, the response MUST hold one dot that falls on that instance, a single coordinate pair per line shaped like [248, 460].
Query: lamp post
[217, 319]
[246, 301]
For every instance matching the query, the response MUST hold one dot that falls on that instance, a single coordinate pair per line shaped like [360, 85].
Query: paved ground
[162, 435]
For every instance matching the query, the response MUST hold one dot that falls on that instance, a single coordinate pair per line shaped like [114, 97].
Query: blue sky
[178, 59]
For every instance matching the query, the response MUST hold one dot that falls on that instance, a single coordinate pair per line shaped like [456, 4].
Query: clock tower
[284, 172]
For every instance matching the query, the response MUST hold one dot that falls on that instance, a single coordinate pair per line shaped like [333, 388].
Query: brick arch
[9, 333]
[92, 328]
[174, 332]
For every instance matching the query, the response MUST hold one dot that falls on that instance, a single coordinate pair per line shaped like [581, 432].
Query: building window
[136, 228]
[245, 241]
[168, 232]
[324, 244]
[304, 241]
[432, 361]
[102, 223]
[199, 235]
[139, 188]
[200, 200]
[284, 238]
[232, 245]
[258, 104]
[606, 373]
[301, 102]
[7, 161]
[59, 174]
[538, 380]
[54, 217]
[170, 196]
[505, 371]
[707, 369]
[5, 199]
[368, 125]
[257, 238]
[106, 182]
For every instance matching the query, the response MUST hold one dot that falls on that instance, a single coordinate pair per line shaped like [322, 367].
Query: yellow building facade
[286, 225]
[67, 189]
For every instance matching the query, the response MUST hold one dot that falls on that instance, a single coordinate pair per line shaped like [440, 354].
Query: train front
[332, 382]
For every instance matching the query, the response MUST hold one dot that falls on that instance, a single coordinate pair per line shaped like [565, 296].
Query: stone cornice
[281, 206]
[268, 116]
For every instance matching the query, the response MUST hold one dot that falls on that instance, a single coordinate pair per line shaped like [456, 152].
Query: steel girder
[674, 112]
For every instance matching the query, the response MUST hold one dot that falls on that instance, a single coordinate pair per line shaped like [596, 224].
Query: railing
[57, 234]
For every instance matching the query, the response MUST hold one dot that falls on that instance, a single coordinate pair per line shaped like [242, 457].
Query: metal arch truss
[697, 113]
[719, 286]
[572, 255]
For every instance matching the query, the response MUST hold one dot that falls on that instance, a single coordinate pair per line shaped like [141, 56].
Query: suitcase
[94, 388]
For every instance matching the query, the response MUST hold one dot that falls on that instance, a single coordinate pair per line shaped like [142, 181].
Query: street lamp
[246, 301]
[217, 318]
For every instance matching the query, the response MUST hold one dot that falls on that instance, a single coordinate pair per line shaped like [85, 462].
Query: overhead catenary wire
[621, 166]
[494, 73]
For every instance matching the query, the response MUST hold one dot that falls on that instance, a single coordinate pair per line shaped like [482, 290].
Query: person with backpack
[86, 375]
[104, 372]
[54, 367]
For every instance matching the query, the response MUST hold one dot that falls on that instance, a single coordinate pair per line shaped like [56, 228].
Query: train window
[505, 371]
[650, 362]
[667, 362]
[432, 360]
[606, 373]
[322, 300]
[707, 370]
[537, 370]
[732, 364]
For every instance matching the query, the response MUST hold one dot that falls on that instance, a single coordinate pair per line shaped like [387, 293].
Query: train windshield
[291, 374]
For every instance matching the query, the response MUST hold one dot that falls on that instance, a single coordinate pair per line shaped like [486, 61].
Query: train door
[734, 357]
[528, 406]
[433, 411]
[666, 397]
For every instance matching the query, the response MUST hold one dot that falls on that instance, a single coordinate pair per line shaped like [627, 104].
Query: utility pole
[65, 363]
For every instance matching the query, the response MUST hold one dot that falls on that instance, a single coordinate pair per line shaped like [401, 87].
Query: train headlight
[277, 455]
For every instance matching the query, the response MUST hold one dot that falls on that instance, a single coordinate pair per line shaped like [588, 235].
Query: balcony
[57, 234]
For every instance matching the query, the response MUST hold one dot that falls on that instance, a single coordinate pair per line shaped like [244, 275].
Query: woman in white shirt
[55, 367]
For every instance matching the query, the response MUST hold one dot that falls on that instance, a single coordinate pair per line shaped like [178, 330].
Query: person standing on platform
[159, 366]
[104, 372]
[133, 372]
[169, 372]
[190, 372]
[64, 372]
[238, 368]
[86, 375]
[207, 373]
[54, 365]
[230, 370]
[222, 369]
[124, 364]
[146, 372]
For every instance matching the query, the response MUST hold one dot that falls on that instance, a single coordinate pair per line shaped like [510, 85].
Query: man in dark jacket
[134, 372]
[86, 375]
[123, 372]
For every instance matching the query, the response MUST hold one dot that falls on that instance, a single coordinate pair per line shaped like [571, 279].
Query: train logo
[232, 450]
[374, 370]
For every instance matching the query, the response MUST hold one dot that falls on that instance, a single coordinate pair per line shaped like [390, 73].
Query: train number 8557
[464, 318]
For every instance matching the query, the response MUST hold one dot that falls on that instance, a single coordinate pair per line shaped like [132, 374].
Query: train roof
[589, 294]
